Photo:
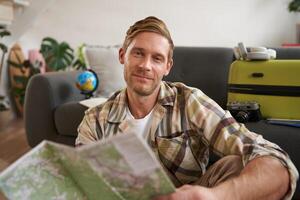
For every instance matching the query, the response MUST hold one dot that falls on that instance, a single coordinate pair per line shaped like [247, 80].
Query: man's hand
[189, 192]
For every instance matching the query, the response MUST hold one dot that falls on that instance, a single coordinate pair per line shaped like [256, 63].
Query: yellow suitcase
[274, 84]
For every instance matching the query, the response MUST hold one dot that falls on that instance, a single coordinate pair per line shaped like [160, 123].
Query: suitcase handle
[257, 74]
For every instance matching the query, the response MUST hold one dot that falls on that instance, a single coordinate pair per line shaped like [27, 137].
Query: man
[181, 124]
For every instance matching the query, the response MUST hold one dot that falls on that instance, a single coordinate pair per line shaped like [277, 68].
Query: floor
[13, 143]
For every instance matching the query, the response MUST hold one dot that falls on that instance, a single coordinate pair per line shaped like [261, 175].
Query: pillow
[104, 60]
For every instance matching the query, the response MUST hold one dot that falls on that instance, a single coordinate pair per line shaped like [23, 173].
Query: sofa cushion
[287, 53]
[67, 117]
[104, 60]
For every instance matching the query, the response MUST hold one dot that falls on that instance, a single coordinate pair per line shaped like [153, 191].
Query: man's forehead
[150, 41]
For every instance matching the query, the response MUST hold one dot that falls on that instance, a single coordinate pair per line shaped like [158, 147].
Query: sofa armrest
[44, 93]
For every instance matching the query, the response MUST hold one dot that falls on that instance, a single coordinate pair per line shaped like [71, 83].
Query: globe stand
[87, 95]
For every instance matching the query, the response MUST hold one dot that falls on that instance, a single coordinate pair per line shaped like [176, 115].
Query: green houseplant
[294, 6]
[79, 61]
[58, 56]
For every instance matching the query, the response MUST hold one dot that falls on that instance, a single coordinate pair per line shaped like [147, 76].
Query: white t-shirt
[141, 127]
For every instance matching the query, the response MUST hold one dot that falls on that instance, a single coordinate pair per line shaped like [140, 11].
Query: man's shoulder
[179, 87]
[177, 92]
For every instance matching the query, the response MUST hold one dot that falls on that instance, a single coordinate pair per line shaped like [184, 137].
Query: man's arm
[262, 178]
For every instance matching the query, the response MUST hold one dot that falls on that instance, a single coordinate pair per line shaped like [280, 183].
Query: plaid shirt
[185, 125]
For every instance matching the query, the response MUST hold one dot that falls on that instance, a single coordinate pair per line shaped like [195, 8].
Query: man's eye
[137, 53]
[158, 59]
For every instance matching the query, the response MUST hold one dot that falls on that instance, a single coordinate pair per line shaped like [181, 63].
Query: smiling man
[181, 124]
[146, 61]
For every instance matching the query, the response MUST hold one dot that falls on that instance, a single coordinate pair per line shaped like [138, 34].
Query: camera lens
[242, 116]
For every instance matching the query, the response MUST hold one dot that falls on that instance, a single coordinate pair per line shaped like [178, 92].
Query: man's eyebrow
[159, 55]
[137, 49]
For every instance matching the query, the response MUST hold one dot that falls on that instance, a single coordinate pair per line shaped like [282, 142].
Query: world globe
[87, 82]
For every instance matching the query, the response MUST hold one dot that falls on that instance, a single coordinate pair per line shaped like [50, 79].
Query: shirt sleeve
[227, 137]
[87, 129]
[234, 138]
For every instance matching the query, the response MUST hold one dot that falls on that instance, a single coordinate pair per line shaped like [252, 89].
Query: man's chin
[143, 91]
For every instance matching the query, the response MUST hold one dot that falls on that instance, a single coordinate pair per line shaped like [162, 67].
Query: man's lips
[142, 76]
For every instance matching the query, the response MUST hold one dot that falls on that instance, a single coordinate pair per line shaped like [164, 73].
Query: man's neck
[139, 105]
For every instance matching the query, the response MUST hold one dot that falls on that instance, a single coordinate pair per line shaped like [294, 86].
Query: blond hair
[149, 24]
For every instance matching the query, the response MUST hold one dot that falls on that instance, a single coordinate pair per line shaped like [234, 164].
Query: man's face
[145, 62]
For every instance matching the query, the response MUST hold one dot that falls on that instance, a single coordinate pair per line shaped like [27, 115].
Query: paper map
[123, 167]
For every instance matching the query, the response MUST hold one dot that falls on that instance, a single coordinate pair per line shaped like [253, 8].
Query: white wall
[191, 22]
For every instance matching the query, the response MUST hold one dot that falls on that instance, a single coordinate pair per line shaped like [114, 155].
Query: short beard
[143, 93]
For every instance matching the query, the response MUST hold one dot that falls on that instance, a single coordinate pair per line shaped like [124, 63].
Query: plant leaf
[58, 56]
[78, 64]
[18, 91]
[294, 6]
[21, 80]
[3, 47]
[4, 33]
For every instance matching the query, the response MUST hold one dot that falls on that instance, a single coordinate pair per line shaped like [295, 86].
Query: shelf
[8, 9]
[6, 13]
[21, 2]
[290, 45]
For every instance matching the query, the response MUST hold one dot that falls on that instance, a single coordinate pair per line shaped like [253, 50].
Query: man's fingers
[184, 187]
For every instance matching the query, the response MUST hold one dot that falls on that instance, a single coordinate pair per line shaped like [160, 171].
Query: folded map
[122, 167]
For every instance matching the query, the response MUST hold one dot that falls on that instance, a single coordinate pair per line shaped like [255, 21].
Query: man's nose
[146, 63]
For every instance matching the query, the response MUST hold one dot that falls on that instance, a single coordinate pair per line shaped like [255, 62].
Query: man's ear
[169, 66]
[121, 55]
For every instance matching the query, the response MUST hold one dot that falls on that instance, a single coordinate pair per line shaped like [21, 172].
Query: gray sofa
[52, 110]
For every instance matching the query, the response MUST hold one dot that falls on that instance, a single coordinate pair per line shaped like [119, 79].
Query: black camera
[247, 111]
